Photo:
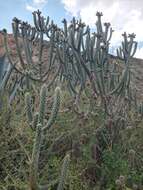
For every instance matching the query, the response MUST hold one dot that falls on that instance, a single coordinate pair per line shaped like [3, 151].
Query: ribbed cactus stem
[6, 78]
[55, 109]
[43, 95]
[27, 81]
[37, 145]
[64, 172]
[28, 104]
[35, 120]
[35, 158]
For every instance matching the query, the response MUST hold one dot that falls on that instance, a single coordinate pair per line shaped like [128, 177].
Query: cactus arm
[135, 49]
[40, 55]
[15, 34]
[42, 107]
[8, 53]
[28, 104]
[6, 78]
[123, 80]
[55, 109]
[51, 48]
[14, 90]
[64, 172]
[2, 65]
[35, 120]
[35, 20]
[35, 159]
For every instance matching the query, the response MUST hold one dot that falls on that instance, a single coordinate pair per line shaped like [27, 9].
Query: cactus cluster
[77, 57]
[79, 61]
[78, 54]
[28, 39]
[85, 57]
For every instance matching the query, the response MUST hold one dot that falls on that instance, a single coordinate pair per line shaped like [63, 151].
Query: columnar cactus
[38, 124]
[28, 35]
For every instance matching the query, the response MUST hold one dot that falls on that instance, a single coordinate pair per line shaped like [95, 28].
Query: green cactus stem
[55, 109]
[64, 172]
[28, 104]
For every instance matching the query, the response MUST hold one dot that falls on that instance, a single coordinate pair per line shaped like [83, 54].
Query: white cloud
[39, 1]
[35, 4]
[30, 8]
[124, 15]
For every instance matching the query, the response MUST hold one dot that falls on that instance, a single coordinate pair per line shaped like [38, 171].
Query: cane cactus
[25, 37]
[37, 122]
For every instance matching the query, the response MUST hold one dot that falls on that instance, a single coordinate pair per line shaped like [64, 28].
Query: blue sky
[124, 15]
[19, 9]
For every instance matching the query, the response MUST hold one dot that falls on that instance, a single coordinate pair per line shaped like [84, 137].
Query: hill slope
[137, 64]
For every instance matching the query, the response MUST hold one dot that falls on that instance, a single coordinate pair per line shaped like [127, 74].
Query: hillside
[64, 136]
[137, 64]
